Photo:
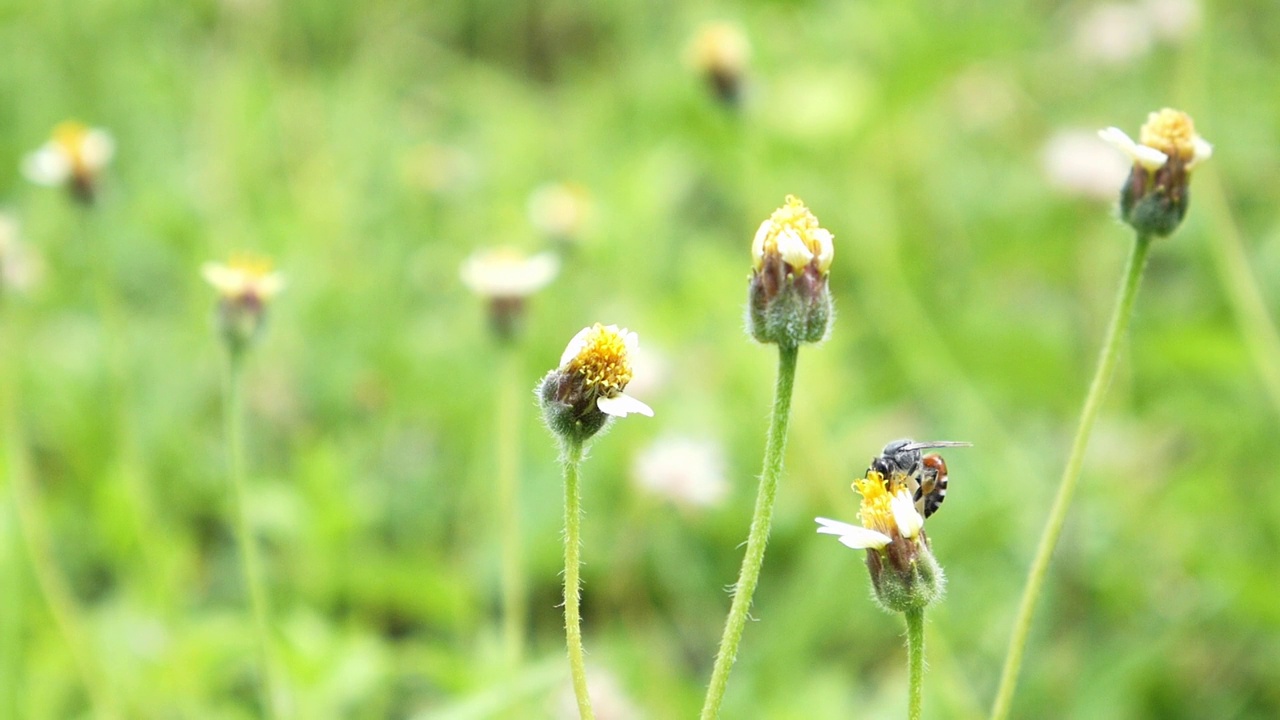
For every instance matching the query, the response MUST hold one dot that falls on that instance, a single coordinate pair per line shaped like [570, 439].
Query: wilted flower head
[1155, 197]
[904, 573]
[580, 396]
[245, 288]
[721, 51]
[505, 277]
[560, 211]
[687, 471]
[19, 269]
[788, 301]
[73, 158]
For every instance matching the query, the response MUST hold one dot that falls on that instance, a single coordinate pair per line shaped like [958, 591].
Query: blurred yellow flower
[720, 51]
[560, 211]
[244, 277]
[73, 157]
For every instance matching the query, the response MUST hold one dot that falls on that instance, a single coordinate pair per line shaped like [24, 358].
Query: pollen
[602, 362]
[876, 512]
[793, 232]
[1171, 132]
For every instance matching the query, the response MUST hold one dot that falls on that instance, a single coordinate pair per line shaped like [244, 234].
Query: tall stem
[35, 534]
[1071, 475]
[508, 437]
[572, 458]
[759, 535]
[272, 697]
[915, 661]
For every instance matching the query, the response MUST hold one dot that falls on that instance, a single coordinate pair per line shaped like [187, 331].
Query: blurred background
[369, 148]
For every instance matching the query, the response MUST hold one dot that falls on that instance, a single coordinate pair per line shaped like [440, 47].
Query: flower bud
[580, 396]
[788, 301]
[245, 288]
[73, 158]
[1155, 197]
[505, 278]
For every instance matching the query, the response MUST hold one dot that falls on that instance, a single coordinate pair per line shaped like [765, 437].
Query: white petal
[575, 346]
[225, 280]
[1148, 157]
[865, 539]
[622, 405]
[757, 245]
[268, 286]
[630, 341]
[97, 149]
[858, 538]
[1203, 151]
[905, 515]
[827, 248]
[47, 166]
[793, 250]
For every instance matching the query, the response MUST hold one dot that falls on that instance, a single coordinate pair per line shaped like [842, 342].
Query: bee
[924, 475]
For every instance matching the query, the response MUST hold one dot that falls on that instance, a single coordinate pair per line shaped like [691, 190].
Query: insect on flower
[924, 475]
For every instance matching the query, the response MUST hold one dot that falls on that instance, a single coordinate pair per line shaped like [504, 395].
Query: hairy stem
[572, 459]
[759, 535]
[915, 661]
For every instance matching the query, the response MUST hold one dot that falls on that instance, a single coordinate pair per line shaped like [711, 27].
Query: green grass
[971, 300]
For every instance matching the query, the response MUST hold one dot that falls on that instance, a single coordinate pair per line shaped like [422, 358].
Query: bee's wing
[937, 444]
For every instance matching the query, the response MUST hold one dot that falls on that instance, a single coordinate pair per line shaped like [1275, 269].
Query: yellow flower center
[1171, 132]
[790, 223]
[602, 362]
[876, 513]
[69, 136]
[250, 266]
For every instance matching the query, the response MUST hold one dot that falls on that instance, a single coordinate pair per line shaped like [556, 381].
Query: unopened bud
[1155, 197]
[788, 300]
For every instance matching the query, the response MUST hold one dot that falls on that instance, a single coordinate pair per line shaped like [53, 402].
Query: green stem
[272, 697]
[1070, 476]
[510, 396]
[572, 459]
[915, 661]
[67, 616]
[759, 535]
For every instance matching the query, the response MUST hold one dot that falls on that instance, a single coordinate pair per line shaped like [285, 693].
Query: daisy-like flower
[904, 573]
[580, 396]
[506, 277]
[560, 211]
[1155, 197]
[73, 158]
[720, 52]
[788, 300]
[245, 286]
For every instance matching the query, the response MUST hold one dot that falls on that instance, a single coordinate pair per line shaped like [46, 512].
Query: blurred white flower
[506, 273]
[439, 168]
[560, 210]
[1113, 33]
[73, 158]
[608, 699]
[1173, 20]
[688, 471]
[1079, 163]
[20, 269]
[244, 277]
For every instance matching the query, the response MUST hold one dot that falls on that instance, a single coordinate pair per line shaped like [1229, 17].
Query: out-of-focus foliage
[370, 147]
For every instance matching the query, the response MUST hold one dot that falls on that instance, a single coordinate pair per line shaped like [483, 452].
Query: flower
[1154, 199]
[19, 268]
[507, 273]
[560, 210]
[904, 573]
[505, 277]
[73, 157]
[580, 396]
[791, 254]
[688, 471]
[245, 286]
[721, 52]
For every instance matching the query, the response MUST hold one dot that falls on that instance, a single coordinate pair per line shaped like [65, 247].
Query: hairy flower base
[579, 397]
[905, 575]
